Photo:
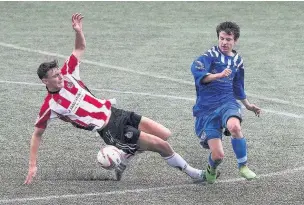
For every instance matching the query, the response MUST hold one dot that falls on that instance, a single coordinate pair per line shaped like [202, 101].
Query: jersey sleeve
[238, 83]
[200, 68]
[71, 66]
[45, 114]
[43, 117]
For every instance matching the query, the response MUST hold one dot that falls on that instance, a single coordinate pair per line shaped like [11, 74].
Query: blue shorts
[210, 126]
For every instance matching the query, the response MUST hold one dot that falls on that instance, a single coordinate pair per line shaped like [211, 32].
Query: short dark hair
[229, 28]
[45, 67]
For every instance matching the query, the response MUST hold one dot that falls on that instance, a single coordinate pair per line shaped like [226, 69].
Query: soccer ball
[109, 157]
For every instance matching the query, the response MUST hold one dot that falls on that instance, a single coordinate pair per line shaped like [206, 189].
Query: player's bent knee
[163, 148]
[218, 155]
[167, 134]
[234, 129]
[155, 144]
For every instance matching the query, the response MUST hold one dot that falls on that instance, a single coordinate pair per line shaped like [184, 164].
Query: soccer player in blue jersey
[219, 83]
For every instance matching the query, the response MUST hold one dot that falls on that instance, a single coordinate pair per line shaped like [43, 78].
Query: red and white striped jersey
[74, 103]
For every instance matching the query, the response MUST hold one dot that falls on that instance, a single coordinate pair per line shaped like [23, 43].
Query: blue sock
[214, 163]
[239, 146]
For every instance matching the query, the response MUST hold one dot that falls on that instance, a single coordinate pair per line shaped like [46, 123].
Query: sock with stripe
[239, 146]
[177, 161]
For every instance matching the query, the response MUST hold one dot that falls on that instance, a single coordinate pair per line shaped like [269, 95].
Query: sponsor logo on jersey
[76, 102]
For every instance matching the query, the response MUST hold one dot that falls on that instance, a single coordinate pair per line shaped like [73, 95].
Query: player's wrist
[248, 106]
[79, 31]
[220, 75]
[246, 103]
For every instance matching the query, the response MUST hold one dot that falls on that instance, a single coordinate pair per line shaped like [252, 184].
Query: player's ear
[45, 81]
[236, 41]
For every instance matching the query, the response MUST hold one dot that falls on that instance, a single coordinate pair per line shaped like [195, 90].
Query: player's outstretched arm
[35, 142]
[80, 42]
[252, 107]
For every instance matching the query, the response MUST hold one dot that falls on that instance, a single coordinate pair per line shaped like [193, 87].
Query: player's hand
[77, 22]
[226, 72]
[31, 174]
[254, 108]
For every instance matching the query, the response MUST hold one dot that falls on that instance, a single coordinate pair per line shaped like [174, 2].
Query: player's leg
[209, 130]
[151, 127]
[215, 158]
[114, 134]
[155, 144]
[238, 142]
[132, 124]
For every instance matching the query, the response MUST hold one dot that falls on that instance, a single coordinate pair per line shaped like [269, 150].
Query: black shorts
[122, 130]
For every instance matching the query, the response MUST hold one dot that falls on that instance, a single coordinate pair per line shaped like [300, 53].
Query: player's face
[226, 42]
[54, 81]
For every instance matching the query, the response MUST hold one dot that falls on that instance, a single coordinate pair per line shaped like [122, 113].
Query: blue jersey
[212, 95]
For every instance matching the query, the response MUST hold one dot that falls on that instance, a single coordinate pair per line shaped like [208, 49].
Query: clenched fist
[226, 72]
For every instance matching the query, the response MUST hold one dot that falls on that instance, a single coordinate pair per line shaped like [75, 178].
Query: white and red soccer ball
[109, 157]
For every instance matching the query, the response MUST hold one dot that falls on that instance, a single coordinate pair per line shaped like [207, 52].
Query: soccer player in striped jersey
[219, 83]
[71, 101]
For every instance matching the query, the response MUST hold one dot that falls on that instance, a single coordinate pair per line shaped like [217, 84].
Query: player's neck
[53, 90]
[231, 54]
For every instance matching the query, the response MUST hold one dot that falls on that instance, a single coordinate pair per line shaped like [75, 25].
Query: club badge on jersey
[70, 85]
[199, 65]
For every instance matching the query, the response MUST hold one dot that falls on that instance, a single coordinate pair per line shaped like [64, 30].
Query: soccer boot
[211, 175]
[119, 171]
[202, 177]
[247, 173]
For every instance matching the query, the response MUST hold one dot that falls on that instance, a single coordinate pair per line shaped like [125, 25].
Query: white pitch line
[6, 45]
[110, 91]
[95, 63]
[283, 113]
[66, 196]
[287, 114]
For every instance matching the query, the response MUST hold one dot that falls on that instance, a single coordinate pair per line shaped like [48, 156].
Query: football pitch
[140, 53]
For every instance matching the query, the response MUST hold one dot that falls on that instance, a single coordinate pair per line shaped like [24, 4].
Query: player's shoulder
[45, 104]
[212, 52]
[237, 55]
[47, 99]
[238, 59]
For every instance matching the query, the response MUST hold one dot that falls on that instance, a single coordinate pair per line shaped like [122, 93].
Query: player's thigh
[208, 127]
[153, 143]
[210, 134]
[154, 128]
[232, 118]
[231, 110]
